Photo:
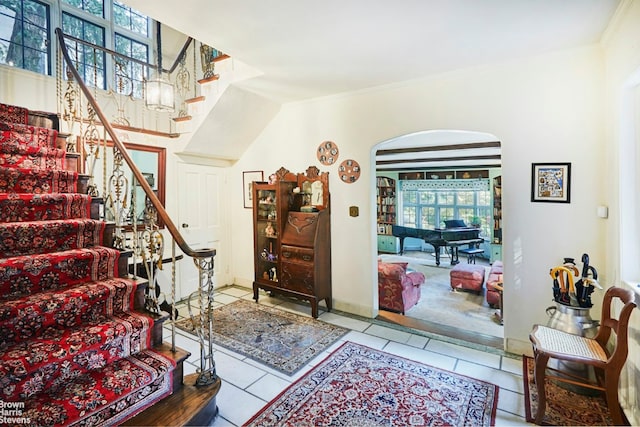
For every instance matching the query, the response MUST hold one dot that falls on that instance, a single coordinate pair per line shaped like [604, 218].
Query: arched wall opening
[447, 155]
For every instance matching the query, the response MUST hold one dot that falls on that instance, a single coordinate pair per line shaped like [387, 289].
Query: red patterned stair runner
[72, 350]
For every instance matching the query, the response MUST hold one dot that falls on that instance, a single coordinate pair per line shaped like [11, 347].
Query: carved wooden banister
[134, 60]
[181, 54]
[162, 213]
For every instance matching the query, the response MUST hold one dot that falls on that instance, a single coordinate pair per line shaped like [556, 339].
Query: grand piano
[440, 237]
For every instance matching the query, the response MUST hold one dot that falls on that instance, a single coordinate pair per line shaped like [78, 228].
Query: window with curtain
[427, 204]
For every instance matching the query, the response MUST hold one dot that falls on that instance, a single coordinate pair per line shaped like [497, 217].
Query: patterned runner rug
[281, 340]
[564, 407]
[360, 386]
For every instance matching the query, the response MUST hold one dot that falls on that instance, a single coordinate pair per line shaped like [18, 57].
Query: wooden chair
[566, 347]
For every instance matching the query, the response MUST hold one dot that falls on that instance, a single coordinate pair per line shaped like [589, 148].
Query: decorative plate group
[328, 153]
[349, 170]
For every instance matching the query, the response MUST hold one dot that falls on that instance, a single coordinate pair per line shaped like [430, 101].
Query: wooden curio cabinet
[292, 236]
[271, 203]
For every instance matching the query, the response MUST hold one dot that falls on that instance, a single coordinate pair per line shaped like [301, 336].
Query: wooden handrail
[162, 213]
[134, 60]
[109, 51]
[181, 54]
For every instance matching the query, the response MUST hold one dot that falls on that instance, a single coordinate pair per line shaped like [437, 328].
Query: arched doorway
[425, 178]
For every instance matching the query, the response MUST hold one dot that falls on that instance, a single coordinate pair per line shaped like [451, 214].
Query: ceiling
[308, 49]
[439, 149]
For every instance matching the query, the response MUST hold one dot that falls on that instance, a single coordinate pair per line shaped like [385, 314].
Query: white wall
[547, 108]
[622, 60]
[543, 109]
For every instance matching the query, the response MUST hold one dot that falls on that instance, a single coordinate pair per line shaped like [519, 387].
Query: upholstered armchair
[494, 278]
[398, 290]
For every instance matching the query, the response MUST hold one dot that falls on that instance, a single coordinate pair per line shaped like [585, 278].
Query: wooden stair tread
[210, 79]
[191, 405]
[180, 354]
[196, 99]
[182, 119]
[146, 131]
[221, 57]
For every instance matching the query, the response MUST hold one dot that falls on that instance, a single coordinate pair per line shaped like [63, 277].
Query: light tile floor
[247, 385]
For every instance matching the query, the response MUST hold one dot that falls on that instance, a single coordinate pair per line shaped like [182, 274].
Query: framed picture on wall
[551, 182]
[248, 177]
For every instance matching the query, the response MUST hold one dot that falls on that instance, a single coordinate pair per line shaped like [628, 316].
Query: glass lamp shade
[159, 95]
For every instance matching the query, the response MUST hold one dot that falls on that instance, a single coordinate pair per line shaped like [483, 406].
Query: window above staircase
[114, 49]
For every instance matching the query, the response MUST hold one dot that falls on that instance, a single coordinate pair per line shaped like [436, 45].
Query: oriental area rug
[359, 386]
[564, 407]
[281, 340]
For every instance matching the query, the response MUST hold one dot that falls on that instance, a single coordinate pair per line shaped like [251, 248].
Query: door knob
[185, 225]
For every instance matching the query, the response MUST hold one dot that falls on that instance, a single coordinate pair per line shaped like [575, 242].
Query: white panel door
[201, 214]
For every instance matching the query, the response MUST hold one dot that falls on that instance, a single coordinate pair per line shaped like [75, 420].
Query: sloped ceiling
[433, 150]
[308, 49]
[233, 124]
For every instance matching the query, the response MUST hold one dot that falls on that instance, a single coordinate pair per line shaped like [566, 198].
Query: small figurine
[273, 274]
[269, 231]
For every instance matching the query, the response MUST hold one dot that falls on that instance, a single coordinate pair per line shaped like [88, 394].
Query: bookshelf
[386, 210]
[496, 244]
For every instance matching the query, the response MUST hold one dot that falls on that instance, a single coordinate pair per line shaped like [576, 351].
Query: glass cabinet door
[267, 235]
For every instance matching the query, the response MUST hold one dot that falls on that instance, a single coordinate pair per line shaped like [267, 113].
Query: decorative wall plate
[349, 171]
[328, 153]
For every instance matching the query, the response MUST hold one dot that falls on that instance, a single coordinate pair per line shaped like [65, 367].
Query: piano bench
[471, 254]
[467, 276]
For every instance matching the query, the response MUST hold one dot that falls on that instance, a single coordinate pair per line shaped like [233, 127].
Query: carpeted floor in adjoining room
[439, 304]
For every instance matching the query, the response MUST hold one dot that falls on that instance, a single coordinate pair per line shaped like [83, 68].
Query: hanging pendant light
[159, 92]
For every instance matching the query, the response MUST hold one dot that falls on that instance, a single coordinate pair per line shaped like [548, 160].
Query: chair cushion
[416, 277]
[555, 341]
[394, 270]
[496, 267]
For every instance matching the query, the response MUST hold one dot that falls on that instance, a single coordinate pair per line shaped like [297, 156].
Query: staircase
[76, 347]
